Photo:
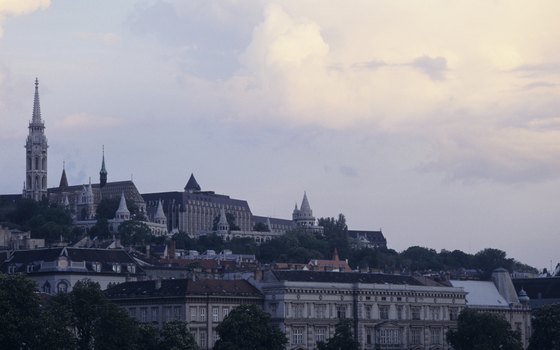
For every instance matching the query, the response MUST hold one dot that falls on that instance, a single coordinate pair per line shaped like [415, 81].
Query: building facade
[202, 303]
[386, 311]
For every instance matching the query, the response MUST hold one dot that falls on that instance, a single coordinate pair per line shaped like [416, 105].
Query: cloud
[85, 123]
[20, 8]
[103, 38]
[434, 67]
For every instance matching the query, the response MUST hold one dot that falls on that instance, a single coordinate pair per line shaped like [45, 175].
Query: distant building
[201, 303]
[386, 311]
[58, 269]
[499, 296]
[367, 239]
[303, 217]
[15, 239]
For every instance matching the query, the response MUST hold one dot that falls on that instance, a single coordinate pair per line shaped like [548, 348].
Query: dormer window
[12, 269]
[96, 266]
[131, 268]
[117, 268]
[29, 268]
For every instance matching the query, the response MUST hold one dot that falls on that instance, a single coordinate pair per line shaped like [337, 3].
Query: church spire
[36, 105]
[103, 171]
[63, 179]
[36, 154]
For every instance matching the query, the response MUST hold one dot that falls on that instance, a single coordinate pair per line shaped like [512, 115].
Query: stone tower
[36, 154]
[303, 216]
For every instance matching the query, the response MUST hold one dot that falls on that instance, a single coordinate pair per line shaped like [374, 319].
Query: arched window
[47, 287]
[36, 163]
[62, 287]
[44, 182]
[44, 165]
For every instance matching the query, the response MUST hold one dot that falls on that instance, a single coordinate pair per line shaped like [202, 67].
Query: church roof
[110, 190]
[192, 185]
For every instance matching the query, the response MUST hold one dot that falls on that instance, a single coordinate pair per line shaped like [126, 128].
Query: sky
[436, 121]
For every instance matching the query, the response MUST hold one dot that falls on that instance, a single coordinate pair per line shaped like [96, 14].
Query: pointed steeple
[103, 171]
[159, 216]
[63, 179]
[122, 212]
[36, 105]
[305, 208]
[192, 185]
[223, 225]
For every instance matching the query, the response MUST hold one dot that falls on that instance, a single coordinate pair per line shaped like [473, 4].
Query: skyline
[436, 122]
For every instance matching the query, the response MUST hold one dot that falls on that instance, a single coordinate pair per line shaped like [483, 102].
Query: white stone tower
[303, 216]
[36, 154]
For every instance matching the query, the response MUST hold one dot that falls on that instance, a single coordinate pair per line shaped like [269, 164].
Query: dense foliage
[248, 327]
[83, 319]
[342, 338]
[483, 331]
[546, 328]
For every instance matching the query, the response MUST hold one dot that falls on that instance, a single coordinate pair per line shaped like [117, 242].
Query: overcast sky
[437, 121]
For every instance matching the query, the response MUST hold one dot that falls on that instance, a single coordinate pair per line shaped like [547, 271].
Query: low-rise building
[386, 311]
[58, 269]
[201, 303]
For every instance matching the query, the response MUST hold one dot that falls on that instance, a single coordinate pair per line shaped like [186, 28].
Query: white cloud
[85, 123]
[19, 8]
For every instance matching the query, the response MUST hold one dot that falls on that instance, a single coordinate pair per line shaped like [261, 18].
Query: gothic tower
[103, 172]
[36, 154]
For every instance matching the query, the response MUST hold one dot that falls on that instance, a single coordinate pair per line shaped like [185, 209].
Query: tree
[20, 323]
[248, 327]
[342, 338]
[546, 328]
[490, 259]
[176, 336]
[134, 232]
[483, 331]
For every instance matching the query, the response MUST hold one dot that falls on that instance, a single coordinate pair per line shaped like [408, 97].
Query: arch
[62, 286]
[47, 287]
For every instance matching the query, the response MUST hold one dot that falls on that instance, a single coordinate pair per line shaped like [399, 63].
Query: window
[368, 312]
[453, 313]
[415, 312]
[143, 314]
[177, 312]
[202, 339]
[341, 311]
[117, 268]
[298, 310]
[384, 312]
[29, 268]
[321, 311]
[193, 314]
[62, 287]
[12, 269]
[96, 266]
[215, 314]
[435, 310]
[132, 312]
[155, 314]
[436, 336]
[399, 312]
[415, 335]
[320, 334]
[131, 268]
[297, 335]
[370, 332]
[47, 287]
[167, 315]
[203, 314]
[225, 311]
[389, 336]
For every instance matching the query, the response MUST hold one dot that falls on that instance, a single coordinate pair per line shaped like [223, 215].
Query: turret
[192, 185]
[304, 216]
[122, 212]
[159, 216]
[223, 225]
[63, 179]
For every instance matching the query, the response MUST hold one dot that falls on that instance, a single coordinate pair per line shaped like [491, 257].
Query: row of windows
[145, 314]
[199, 314]
[384, 312]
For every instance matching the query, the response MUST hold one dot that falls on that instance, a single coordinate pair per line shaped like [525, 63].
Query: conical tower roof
[103, 170]
[63, 179]
[159, 211]
[123, 209]
[192, 185]
[305, 208]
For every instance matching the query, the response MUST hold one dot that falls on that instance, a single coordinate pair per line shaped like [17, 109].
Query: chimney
[258, 275]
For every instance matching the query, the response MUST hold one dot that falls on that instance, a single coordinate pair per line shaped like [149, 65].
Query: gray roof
[344, 277]
[481, 293]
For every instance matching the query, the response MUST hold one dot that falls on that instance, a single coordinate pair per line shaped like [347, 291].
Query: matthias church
[193, 210]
